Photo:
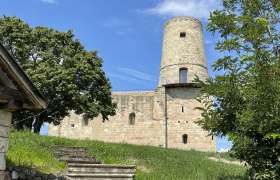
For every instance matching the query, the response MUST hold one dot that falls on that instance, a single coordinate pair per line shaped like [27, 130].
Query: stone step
[73, 176]
[69, 148]
[100, 168]
[60, 154]
[81, 166]
[87, 160]
[70, 152]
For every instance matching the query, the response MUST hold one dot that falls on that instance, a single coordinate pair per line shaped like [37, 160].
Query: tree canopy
[246, 96]
[68, 76]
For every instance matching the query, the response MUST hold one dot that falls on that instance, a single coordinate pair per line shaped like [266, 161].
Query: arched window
[131, 118]
[183, 75]
[85, 120]
[185, 138]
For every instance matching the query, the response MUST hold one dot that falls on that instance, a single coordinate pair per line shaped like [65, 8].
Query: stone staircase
[83, 167]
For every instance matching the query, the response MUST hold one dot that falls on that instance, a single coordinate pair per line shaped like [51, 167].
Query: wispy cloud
[208, 41]
[194, 8]
[137, 74]
[121, 26]
[125, 78]
[50, 1]
[115, 22]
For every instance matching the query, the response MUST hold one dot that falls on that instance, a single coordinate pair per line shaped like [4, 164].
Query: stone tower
[183, 54]
[183, 58]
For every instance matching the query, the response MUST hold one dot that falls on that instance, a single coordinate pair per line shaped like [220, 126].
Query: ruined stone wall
[147, 129]
[149, 126]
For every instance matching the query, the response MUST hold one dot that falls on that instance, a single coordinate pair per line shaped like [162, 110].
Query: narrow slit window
[182, 34]
[131, 118]
[182, 108]
[183, 75]
[185, 138]
[85, 120]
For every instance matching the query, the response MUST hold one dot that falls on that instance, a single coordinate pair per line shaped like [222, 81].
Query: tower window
[182, 108]
[85, 120]
[185, 138]
[183, 75]
[131, 118]
[182, 34]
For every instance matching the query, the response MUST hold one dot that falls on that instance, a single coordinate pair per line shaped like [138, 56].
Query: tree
[246, 96]
[68, 76]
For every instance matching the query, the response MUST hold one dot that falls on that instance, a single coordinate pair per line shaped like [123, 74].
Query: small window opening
[182, 108]
[85, 120]
[131, 118]
[72, 125]
[178, 121]
[182, 34]
[183, 75]
[185, 138]
[212, 137]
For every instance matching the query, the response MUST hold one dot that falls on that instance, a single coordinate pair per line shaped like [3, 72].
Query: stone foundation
[20, 173]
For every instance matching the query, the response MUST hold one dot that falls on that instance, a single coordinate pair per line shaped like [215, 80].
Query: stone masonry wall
[182, 52]
[21, 173]
[182, 116]
[146, 130]
[149, 127]
[5, 127]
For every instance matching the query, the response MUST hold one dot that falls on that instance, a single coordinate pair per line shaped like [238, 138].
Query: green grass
[34, 151]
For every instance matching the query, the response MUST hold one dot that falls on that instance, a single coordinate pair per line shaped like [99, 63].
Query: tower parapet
[183, 55]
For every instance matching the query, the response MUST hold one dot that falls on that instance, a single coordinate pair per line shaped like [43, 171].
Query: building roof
[14, 83]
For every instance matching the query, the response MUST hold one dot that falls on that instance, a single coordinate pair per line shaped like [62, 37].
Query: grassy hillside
[34, 151]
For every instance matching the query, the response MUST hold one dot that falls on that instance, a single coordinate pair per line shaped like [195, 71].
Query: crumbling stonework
[164, 117]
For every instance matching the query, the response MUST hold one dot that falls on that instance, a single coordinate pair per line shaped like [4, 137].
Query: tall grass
[33, 151]
[36, 151]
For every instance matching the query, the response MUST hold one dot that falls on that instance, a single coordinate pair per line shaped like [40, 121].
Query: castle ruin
[164, 117]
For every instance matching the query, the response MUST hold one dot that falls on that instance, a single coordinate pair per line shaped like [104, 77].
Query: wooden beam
[5, 98]
[11, 99]
[8, 92]
[21, 80]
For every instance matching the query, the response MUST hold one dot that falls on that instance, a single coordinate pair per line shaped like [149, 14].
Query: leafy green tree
[246, 96]
[68, 76]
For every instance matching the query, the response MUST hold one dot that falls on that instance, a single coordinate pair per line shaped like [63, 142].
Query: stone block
[15, 175]
[2, 174]
[3, 144]
[2, 162]
[5, 118]
[22, 175]
[4, 131]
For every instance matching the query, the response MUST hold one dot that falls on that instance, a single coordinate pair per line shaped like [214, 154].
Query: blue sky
[126, 33]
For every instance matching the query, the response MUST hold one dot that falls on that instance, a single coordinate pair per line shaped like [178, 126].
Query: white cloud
[125, 78]
[50, 1]
[194, 8]
[222, 150]
[137, 74]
